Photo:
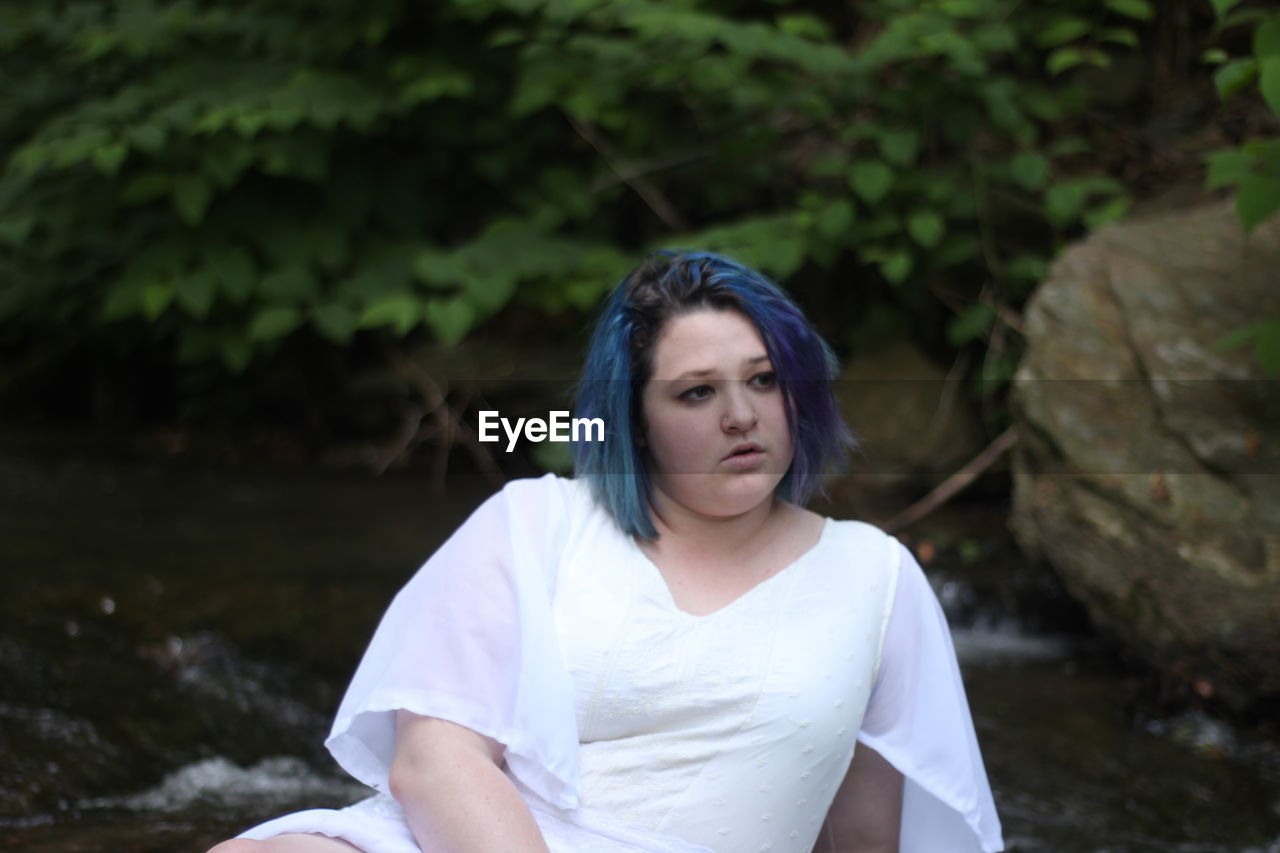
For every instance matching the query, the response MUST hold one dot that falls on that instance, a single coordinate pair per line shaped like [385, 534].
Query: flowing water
[174, 637]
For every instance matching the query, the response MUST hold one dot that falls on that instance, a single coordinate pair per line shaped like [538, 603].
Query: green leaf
[804, 25]
[191, 197]
[1066, 146]
[1236, 338]
[450, 320]
[1269, 83]
[1234, 76]
[109, 157]
[1061, 31]
[236, 272]
[1027, 268]
[248, 124]
[1257, 199]
[236, 352]
[1222, 7]
[196, 291]
[438, 83]
[1214, 56]
[896, 267]
[1228, 168]
[335, 322]
[971, 324]
[962, 8]
[1064, 201]
[1139, 9]
[834, 219]
[155, 297]
[15, 231]
[121, 302]
[926, 228]
[1063, 59]
[871, 180]
[273, 323]
[1030, 170]
[1241, 18]
[900, 147]
[290, 284]
[490, 290]
[1266, 38]
[147, 187]
[1119, 35]
[1109, 211]
[1266, 347]
[402, 311]
[956, 249]
[72, 150]
[504, 37]
[994, 37]
[30, 158]
[148, 138]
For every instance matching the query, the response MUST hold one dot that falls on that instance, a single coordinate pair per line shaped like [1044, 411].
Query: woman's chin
[722, 495]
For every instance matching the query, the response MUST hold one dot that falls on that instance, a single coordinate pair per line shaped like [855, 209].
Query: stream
[175, 634]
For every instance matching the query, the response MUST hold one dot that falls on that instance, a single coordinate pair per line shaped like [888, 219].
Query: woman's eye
[699, 393]
[765, 380]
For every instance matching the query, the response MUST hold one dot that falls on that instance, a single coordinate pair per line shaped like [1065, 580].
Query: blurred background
[261, 264]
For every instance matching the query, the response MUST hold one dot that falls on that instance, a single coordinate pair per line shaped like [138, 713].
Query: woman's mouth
[745, 456]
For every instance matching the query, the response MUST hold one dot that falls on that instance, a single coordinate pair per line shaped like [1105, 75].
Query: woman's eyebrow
[698, 374]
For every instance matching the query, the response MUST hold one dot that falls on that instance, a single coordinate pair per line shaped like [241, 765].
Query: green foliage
[220, 179]
[1264, 335]
[1253, 167]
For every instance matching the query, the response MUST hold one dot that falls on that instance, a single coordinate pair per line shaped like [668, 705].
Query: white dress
[630, 725]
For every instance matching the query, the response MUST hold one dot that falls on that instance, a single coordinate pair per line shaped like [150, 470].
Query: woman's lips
[744, 461]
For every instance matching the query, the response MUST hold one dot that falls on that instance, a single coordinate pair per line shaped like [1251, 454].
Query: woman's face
[715, 422]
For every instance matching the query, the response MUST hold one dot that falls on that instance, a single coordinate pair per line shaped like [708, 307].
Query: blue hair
[619, 363]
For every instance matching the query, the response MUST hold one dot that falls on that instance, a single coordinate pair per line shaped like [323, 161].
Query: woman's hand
[456, 798]
[866, 815]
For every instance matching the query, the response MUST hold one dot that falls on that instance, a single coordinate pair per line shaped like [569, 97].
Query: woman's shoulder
[863, 537]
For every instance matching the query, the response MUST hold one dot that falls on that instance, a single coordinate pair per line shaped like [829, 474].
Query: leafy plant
[1252, 168]
[190, 177]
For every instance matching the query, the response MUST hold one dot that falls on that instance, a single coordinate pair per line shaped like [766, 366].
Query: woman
[668, 654]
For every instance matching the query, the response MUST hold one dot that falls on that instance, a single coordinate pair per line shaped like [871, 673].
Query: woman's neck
[713, 537]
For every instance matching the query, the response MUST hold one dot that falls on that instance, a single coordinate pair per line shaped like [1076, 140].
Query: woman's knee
[288, 843]
[240, 845]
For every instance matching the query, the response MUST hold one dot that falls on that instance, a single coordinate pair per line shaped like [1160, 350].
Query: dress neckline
[655, 576]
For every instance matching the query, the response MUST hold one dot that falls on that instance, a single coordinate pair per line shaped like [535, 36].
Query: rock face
[912, 422]
[1148, 473]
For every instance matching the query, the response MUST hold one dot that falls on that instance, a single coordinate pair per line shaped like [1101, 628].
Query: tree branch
[629, 175]
[958, 481]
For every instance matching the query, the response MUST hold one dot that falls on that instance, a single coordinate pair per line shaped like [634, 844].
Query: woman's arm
[866, 816]
[456, 798]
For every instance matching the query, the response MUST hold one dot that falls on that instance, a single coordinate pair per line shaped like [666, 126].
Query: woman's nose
[739, 415]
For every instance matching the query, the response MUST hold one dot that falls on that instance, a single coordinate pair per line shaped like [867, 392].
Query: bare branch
[954, 484]
[627, 173]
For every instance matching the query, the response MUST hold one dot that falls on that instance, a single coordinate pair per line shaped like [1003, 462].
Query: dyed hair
[619, 363]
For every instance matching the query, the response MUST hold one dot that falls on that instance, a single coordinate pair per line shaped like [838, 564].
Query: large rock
[915, 426]
[1149, 468]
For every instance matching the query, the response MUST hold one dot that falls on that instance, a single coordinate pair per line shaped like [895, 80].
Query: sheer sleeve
[918, 719]
[470, 639]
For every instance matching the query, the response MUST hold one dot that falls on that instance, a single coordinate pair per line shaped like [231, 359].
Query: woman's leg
[287, 844]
